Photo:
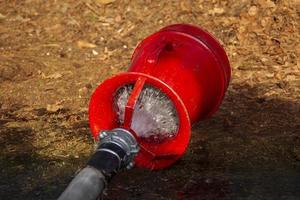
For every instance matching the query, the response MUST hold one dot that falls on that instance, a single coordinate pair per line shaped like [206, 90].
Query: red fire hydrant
[143, 117]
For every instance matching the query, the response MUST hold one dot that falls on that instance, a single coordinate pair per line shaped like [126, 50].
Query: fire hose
[115, 151]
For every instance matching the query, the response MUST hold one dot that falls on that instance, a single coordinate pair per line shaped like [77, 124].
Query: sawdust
[49, 68]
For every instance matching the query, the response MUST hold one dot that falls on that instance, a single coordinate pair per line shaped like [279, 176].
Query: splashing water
[154, 118]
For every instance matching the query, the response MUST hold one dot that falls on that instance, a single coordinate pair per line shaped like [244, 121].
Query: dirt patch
[55, 53]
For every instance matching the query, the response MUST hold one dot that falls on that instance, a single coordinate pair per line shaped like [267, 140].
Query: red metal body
[184, 62]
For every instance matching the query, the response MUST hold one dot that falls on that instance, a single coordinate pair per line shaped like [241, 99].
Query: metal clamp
[122, 138]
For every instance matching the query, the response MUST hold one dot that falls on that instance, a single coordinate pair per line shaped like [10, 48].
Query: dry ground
[53, 54]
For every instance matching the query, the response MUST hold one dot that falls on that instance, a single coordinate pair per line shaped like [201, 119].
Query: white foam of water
[154, 118]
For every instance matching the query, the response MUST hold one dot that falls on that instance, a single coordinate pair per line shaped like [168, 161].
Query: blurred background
[53, 54]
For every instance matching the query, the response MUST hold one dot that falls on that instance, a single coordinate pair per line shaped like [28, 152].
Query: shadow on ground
[32, 164]
[250, 149]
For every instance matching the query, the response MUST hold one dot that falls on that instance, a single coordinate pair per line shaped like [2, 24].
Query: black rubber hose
[88, 184]
[115, 151]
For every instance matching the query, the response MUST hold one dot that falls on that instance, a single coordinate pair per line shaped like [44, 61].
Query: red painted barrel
[184, 62]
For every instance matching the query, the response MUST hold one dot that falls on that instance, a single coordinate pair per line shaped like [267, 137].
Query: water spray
[177, 77]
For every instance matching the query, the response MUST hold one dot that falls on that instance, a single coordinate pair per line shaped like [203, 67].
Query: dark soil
[53, 54]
